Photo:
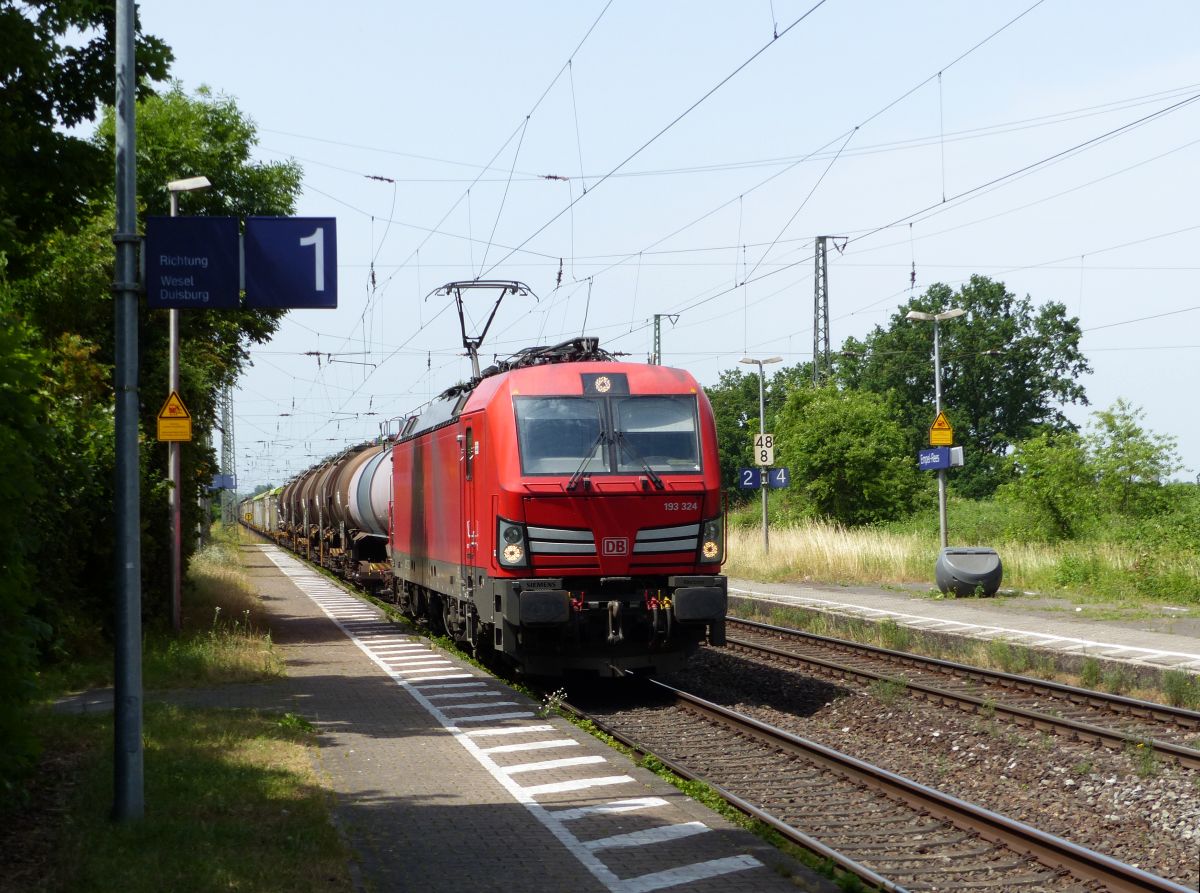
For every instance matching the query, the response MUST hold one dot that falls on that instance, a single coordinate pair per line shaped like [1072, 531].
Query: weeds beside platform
[232, 800]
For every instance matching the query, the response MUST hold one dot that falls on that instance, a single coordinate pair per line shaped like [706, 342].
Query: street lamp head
[935, 317]
[188, 184]
[750, 361]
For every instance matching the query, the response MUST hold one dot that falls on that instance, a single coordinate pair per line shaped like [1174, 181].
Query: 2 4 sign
[753, 478]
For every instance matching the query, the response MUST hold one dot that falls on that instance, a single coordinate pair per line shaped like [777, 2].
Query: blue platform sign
[749, 478]
[934, 458]
[779, 477]
[192, 262]
[291, 262]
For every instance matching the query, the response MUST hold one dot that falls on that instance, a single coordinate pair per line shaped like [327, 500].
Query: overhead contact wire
[659, 134]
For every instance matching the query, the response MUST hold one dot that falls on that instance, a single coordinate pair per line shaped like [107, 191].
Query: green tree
[56, 68]
[1052, 491]
[1008, 370]
[734, 400]
[181, 135]
[848, 453]
[1132, 463]
[1064, 484]
[68, 303]
[22, 430]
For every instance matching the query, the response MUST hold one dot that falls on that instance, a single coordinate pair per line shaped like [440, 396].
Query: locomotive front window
[556, 434]
[622, 435]
[659, 431]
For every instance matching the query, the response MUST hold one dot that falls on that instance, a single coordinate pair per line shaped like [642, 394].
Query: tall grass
[818, 550]
[224, 635]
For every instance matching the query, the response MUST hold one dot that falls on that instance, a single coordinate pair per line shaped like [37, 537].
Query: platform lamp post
[762, 411]
[935, 318]
[174, 471]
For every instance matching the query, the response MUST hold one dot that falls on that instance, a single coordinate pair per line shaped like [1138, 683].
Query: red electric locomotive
[562, 510]
[565, 511]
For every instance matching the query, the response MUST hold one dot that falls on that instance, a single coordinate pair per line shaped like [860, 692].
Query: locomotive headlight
[510, 543]
[712, 541]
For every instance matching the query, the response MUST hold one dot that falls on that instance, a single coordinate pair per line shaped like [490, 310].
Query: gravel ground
[1118, 803]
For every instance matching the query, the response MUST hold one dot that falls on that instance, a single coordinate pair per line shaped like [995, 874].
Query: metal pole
[128, 792]
[937, 399]
[174, 473]
[762, 430]
[228, 460]
[821, 364]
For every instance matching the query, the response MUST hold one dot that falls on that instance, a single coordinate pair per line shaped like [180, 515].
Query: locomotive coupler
[615, 633]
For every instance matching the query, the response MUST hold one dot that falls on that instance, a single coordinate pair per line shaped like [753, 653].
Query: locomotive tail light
[712, 541]
[576, 601]
[511, 550]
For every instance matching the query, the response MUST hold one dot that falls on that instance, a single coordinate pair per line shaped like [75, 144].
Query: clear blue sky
[430, 95]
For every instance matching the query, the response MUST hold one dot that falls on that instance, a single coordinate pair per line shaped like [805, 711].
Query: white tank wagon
[335, 514]
[362, 501]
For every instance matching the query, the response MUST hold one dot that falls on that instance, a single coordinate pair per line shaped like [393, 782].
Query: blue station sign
[291, 262]
[197, 262]
[934, 458]
[753, 478]
[192, 262]
[749, 478]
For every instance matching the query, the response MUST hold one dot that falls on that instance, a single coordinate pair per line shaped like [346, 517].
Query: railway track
[891, 832]
[1077, 713]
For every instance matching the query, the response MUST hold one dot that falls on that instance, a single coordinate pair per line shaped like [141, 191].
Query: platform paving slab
[1151, 644]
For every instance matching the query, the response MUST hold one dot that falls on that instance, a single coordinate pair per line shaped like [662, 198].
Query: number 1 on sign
[317, 240]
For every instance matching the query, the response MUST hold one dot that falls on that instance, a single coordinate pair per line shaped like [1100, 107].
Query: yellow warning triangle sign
[174, 408]
[174, 421]
[940, 432]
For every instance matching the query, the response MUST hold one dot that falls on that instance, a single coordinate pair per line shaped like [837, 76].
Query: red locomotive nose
[615, 533]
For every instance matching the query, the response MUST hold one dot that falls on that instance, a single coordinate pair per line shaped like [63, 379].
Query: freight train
[562, 510]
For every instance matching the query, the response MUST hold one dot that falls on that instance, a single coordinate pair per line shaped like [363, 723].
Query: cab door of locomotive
[469, 548]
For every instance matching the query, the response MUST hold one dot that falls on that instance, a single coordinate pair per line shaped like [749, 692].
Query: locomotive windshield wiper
[601, 437]
[625, 445]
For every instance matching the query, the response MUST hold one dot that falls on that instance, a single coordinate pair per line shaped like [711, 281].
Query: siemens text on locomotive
[562, 509]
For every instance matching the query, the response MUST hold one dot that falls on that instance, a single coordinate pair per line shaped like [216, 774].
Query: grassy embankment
[1108, 579]
[232, 799]
[1121, 573]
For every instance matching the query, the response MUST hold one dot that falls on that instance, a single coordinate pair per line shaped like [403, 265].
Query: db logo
[615, 545]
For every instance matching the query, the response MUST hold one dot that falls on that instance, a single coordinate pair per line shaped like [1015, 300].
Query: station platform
[1147, 640]
[448, 780]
